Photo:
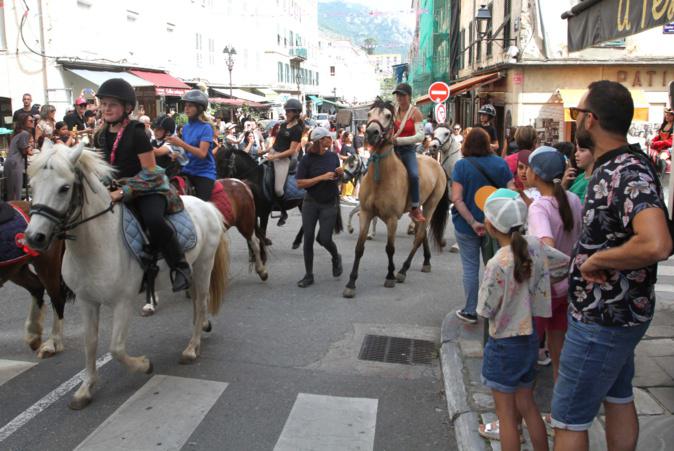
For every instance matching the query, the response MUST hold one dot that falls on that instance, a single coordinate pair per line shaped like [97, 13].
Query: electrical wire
[24, 19]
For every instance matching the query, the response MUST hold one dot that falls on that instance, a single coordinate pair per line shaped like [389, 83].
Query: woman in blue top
[479, 167]
[197, 140]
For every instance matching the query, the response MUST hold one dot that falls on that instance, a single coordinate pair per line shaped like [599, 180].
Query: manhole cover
[380, 348]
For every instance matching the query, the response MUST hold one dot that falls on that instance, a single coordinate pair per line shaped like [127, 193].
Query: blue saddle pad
[136, 240]
[290, 191]
[10, 252]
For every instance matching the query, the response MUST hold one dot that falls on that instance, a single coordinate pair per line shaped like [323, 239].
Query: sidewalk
[470, 403]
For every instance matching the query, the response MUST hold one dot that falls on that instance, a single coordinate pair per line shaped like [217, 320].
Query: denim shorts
[510, 363]
[596, 365]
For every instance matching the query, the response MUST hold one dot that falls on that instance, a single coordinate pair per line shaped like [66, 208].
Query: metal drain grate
[381, 348]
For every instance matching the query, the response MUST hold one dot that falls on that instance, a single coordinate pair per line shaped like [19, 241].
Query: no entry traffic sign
[440, 113]
[438, 92]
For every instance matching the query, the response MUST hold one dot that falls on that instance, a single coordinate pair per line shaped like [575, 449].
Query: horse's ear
[76, 153]
[47, 145]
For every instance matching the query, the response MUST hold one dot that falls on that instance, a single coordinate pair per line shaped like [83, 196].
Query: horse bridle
[384, 130]
[63, 220]
[351, 175]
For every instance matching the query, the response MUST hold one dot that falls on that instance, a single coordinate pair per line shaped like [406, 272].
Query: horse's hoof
[267, 242]
[34, 343]
[264, 276]
[187, 359]
[150, 368]
[45, 353]
[390, 283]
[79, 403]
[208, 327]
[349, 293]
[400, 277]
[147, 310]
[426, 268]
[296, 245]
[370, 237]
[350, 229]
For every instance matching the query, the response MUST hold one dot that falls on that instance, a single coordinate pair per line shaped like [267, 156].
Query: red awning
[237, 102]
[165, 85]
[464, 85]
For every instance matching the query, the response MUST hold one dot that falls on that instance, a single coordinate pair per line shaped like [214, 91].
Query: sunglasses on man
[574, 111]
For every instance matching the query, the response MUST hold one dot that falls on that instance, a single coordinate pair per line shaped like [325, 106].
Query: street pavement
[279, 371]
[471, 403]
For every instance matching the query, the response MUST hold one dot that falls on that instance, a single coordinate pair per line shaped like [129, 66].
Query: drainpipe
[42, 52]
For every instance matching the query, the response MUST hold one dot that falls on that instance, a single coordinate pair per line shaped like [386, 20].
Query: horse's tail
[219, 276]
[439, 219]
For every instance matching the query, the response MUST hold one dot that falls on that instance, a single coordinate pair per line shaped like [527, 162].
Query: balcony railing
[298, 53]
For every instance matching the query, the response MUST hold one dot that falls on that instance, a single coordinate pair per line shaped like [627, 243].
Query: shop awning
[237, 102]
[571, 98]
[97, 77]
[331, 102]
[317, 100]
[164, 84]
[240, 94]
[464, 85]
[270, 94]
[592, 22]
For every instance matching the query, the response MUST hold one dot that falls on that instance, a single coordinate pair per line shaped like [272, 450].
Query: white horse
[69, 196]
[449, 150]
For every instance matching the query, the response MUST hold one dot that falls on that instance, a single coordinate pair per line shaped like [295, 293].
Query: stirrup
[185, 273]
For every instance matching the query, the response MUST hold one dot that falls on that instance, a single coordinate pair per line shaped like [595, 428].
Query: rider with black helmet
[286, 146]
[163, 127]
[126, 146]
[487, 114]
[197, 141]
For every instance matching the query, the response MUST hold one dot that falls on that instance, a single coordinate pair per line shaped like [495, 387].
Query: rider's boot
[416, 215]
[181, 273]
[284, 215]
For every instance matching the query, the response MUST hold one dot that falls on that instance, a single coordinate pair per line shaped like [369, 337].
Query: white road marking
[665, 270]
[162, 414]
[49, 399]
[328, 423]
[11, 368]
[664, 288]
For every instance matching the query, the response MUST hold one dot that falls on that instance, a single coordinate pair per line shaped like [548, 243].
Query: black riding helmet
[166, 123]
[293, 105]
[119, 89]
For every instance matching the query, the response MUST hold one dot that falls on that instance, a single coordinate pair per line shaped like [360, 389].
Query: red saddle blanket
[11, 251]
[221, 200]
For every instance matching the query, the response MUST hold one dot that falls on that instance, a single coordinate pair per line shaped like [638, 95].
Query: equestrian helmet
[118, 88]
[197, 97]
[166, 123]
[488, 109]
[293, 105]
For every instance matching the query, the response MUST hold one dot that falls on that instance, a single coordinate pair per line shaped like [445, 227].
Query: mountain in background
[359, 23]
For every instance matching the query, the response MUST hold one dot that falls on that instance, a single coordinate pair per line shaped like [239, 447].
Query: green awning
[317, 100]
[336, 104]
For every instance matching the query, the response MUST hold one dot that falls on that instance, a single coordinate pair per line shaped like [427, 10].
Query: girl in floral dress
[515, 288]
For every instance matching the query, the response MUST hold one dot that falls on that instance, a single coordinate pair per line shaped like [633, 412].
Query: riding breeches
[152, 208]
[281, 167]
[325, 214]
[203, 186]
[408, 156]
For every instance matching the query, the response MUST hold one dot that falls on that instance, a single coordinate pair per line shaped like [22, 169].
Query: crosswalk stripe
[665, 270]
[162, 414]
[12, 368]
[329, 423]
[50, 398]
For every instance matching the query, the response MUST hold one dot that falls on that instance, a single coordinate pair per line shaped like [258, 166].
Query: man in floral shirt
[611, 278]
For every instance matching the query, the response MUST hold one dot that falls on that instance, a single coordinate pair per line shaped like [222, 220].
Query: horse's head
[380, 123]
[56, 178]
[353, 167]
[441, 137]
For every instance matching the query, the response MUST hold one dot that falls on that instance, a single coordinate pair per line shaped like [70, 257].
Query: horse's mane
[56, 158]
[384, 105]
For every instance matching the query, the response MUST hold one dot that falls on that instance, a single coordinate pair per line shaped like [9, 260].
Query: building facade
[523, 67]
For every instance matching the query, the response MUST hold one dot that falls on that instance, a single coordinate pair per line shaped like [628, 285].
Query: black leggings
[203, 186]
[152, 209]
[325, 214]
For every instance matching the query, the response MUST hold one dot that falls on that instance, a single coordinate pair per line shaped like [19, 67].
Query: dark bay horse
[235, 163]
[47, 276]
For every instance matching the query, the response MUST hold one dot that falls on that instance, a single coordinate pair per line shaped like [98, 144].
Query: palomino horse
[235, 163]
[47, 276]
[69, 196]
[384, 193]
[449, 149]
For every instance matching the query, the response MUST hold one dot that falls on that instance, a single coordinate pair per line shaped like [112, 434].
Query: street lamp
[483, 18]
[230, 52]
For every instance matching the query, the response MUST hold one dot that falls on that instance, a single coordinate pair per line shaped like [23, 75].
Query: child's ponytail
[563, 203]
[520, 250]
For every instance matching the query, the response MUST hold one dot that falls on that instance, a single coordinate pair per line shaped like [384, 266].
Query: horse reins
[61, 218]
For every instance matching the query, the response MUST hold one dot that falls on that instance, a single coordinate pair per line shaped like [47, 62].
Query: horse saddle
[219, 196]
[12, 222]
[290, 191]
[136, 239]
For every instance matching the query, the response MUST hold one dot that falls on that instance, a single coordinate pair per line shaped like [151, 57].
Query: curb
[465, 421]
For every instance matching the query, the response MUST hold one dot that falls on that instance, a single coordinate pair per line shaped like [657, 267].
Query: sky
[401, 7]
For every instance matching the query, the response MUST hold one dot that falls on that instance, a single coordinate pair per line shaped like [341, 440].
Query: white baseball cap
[319, 132]
[505, 209]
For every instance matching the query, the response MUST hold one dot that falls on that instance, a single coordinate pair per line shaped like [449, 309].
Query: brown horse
[384, 194]
[47, 276]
